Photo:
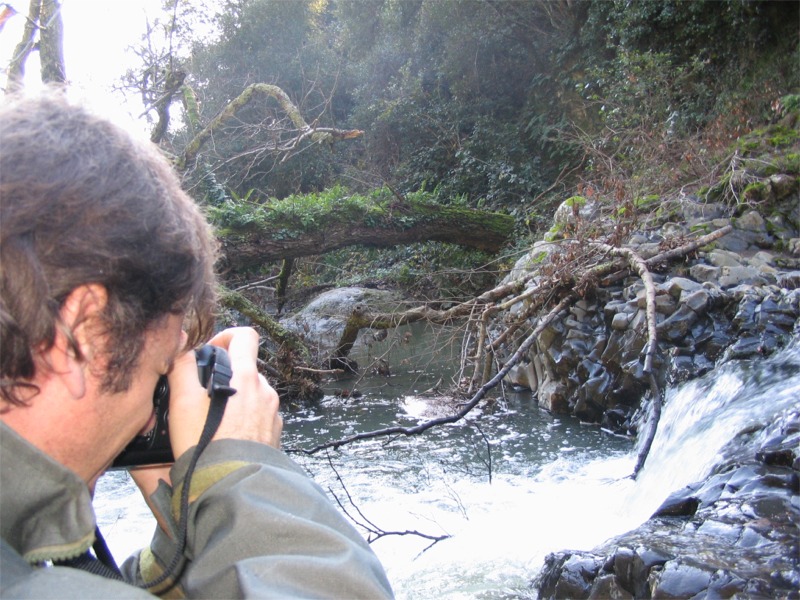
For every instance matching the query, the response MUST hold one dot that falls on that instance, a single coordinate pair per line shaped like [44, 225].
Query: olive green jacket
[258, 528]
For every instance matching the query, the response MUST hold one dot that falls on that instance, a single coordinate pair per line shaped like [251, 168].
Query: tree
[43, 32]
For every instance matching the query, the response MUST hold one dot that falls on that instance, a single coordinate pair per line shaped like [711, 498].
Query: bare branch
[305, 131]
[375, 532]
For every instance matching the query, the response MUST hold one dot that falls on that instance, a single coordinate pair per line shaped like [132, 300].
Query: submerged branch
[375, 532]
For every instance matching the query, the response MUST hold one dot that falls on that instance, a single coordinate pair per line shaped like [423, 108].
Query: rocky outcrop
[736, 299]
[736, 534]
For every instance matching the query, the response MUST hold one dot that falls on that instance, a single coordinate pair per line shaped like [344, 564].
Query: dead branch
[474, 401]
[375, 532]
[537, 296]
[638, 264]
[304, 130]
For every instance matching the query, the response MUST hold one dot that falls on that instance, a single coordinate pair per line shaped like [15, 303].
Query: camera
[153, 448]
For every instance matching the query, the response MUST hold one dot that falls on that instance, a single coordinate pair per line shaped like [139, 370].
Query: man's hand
[250, 414]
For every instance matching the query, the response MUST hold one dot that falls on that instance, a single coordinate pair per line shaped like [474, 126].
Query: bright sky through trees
[98, 35]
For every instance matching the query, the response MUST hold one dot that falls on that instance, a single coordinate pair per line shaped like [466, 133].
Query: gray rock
[736, 241]
[724, 258]
[679, 580]
[704, 273]
[697, 300]
[789, 281]
[677, 285]
[751, 221]
[621, 321]
[732, 276]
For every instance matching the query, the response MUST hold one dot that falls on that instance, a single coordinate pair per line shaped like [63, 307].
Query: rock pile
[737, 299]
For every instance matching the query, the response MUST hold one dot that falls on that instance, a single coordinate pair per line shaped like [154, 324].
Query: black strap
[216, 410]
[103, 565]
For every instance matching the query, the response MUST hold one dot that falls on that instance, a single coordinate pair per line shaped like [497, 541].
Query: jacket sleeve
[259, 527]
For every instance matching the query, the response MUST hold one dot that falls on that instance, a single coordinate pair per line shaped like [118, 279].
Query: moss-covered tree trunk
[250, 246]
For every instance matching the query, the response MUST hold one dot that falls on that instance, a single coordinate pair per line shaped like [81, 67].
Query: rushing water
[502, 488]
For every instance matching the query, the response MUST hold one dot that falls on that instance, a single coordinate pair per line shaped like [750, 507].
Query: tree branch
[317, 134]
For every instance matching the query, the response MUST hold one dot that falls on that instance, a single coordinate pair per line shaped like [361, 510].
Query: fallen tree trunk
[281, 238]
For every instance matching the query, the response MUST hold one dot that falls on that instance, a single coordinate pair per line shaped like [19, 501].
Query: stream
[470, 510]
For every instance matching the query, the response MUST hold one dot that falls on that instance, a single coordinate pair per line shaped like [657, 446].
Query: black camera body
[153, 448]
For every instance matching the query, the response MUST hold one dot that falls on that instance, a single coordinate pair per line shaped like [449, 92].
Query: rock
[621, 321]
[735, 534]
[762, 257]
[676, 286]
[577, 575]
[322, 321]
[702, 272]
[751, 221]
[696, 210]
[608, 587]
[523, 375]
[724, 258]
[782, 185]
[780, 228]
[732, 276]
[679, 580]
[552, 396]
[697, 300]
[789, 281]
[736, 241]
[572, 210]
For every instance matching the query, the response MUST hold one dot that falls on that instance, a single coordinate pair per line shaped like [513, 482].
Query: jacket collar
[46, 510]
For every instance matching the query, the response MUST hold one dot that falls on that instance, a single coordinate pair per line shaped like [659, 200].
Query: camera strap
[102, 563]
[219, 392]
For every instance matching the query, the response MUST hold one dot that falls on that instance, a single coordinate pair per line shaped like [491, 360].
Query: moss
[789, 163]
[749, 144]
[756, 191]
[647, 201]
[780, 136]
[554, 233]
[702, 228]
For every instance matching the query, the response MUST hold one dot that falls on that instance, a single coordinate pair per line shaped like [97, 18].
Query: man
[107, 281]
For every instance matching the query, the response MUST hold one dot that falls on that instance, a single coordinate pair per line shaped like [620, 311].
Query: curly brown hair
[84, 202]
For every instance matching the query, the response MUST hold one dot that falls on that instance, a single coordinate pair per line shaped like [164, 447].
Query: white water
[555, 484]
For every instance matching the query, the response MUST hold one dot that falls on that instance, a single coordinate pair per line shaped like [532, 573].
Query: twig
[375, 532]
[479, 395]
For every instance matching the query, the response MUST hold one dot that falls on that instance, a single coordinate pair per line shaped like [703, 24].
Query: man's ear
[78, 337]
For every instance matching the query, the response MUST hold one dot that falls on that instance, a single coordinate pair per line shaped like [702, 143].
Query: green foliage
[314, 211]
[791, 102]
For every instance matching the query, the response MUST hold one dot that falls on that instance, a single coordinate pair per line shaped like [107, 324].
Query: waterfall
[700, 417]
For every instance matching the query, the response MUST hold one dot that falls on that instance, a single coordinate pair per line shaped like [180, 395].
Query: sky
[97, 39]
